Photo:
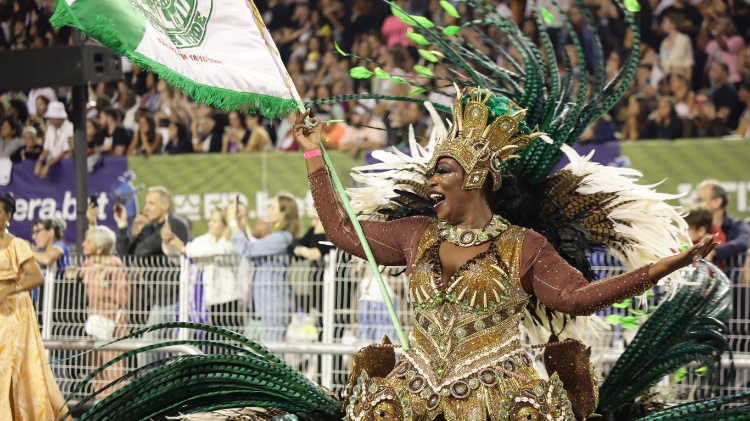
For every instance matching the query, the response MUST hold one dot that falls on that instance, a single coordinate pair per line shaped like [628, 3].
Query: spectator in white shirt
[676, 51]
[215, 255]
[59, 132]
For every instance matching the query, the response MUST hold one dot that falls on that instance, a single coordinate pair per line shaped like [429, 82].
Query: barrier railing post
[329, 304]
[48, 300]
[184, 294]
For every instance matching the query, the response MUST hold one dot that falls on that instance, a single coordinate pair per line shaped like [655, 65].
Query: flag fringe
[101, 30]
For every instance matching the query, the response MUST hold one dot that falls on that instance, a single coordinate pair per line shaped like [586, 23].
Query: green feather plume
[251, 376]
[682, 330]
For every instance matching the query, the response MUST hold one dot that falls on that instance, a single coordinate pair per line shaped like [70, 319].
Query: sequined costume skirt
[510, 390]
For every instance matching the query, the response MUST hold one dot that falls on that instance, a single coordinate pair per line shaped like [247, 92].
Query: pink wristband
[314, 152]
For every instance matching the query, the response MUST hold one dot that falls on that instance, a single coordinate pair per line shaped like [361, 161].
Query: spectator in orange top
[335, 133]
[108, 293]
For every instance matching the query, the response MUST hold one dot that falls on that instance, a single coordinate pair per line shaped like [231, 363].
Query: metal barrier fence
[317, 314]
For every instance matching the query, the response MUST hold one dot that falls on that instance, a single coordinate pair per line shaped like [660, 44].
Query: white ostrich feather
[378, 182]
[650, 227]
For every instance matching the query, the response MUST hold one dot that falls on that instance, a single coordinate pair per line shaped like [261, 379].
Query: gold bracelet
[19, 288]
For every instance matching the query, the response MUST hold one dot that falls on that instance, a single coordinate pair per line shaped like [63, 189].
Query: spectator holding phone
[159, 278]
[705, 122]
[272, 294]
[215, 256]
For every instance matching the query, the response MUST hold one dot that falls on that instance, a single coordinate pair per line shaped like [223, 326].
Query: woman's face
[251, 120]
[667, 25]
[294, 67]
[709, 110]
[43, 238]
[314, 44]
[216, 225]
[274, 212]
[529, 29]
[323, 92]
[234, 120]
[41, 107]
[29, 138]
[90, 130]
[207, 124]
[150, 81]
[143, 125]
[676, 84]
[364, 49]
[445, 188]
[89, 248]
[4, 218]
[6, 130]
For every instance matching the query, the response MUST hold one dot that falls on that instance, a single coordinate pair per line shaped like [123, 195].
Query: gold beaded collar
[463, 237]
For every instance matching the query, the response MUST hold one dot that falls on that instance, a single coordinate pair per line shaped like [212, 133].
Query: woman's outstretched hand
[698, 251]
[308, 138]
[670, 264]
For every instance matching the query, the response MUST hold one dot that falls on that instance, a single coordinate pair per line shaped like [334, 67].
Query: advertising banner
[681, 165]
[56, 196]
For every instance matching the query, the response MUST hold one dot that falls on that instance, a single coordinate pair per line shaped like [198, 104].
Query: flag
[217, 51]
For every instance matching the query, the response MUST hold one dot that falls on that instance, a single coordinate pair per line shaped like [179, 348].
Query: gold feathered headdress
[481, 148]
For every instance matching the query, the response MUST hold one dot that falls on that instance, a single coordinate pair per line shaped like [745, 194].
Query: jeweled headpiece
[481, 148]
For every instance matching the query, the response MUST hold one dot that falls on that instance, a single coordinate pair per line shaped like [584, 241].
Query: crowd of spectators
[693, 78]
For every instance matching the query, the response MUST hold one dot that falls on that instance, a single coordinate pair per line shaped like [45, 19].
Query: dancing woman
[471, 275]
[27, 387]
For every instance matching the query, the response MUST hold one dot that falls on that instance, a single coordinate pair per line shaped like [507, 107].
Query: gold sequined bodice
[466, 360]
[474, 322]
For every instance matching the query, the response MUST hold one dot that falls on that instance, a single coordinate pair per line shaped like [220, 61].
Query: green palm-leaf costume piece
[687, 328]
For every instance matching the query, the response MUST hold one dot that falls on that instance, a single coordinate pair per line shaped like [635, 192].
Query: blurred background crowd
[693, 79]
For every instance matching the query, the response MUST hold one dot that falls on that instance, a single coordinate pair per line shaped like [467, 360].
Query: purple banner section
[56, 196]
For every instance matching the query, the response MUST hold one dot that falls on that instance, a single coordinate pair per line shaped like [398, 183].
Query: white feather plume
[395, 170]
[651, 228]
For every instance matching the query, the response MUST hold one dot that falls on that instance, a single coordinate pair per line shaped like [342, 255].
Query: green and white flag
[217, 51]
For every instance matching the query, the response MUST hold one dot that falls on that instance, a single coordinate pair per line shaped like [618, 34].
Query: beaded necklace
[463, 237]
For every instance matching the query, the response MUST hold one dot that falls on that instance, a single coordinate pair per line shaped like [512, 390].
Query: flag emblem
[183, 21]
